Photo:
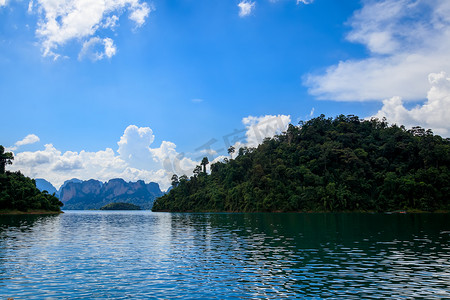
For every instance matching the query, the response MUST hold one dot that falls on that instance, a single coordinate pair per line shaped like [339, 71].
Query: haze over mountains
[94, 194]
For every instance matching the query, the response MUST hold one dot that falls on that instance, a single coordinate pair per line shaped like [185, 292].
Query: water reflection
[24, 222]
[162, 255]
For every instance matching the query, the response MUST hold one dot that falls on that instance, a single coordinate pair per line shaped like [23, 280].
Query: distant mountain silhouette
[68, 181]
[94, 194]
[44, 185]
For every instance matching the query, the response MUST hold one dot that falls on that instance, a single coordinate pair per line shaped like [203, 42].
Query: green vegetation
[120, 206]
[19, 193]
[324, 164]
[6, 158]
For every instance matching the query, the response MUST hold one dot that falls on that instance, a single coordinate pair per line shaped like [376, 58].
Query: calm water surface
[140, 254]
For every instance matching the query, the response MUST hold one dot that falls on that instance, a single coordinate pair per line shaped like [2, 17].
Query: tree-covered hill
[18, 192]
[325, 164]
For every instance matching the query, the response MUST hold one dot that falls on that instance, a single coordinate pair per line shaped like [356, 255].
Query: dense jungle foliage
[18, 192]
[324, 164]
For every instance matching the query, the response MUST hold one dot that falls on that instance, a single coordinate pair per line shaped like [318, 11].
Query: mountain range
[94, 194]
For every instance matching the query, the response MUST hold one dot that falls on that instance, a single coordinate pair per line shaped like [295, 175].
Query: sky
[143, 89]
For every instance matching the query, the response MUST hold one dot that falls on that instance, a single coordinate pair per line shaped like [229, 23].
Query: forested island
[18, 193]
[324, 164]
[120, 206]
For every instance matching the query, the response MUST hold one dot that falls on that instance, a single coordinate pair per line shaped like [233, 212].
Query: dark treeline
[18, 192]
[120, 206]
[324, 164]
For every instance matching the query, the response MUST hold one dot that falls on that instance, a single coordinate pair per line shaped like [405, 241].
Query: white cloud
[139, 13]
[135, 149]
[67, 20]
[406, 39]
[110, 48]
[135, 160]
[259, 128]
[136, 157]
[434, 113]
[30, 7]
[97, 49]
[111, 22]
[33, 159]
[29, 139]
[2, 2]
[134, 145]
[246, 7]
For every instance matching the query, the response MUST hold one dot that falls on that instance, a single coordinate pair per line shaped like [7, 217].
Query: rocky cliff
[93, 194]
[44, 185]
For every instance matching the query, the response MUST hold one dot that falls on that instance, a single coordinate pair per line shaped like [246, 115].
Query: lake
[141, 254]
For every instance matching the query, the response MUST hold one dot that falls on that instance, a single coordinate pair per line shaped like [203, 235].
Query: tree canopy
[325, 164]
[18, 192]
[6, 158]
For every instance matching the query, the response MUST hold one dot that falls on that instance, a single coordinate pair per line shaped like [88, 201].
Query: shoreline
[406, 211]
[30, 212]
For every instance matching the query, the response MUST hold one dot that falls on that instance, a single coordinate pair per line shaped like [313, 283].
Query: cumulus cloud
[136, 151]
[135, 160]
[139, 13]
[434, 113]
[29, 139]
[255, 130]
[97, 49]
[305, 1]
[33, 159]
[259, 128]
[79, 20]
[134, 147]
[406, 40]
[246, 8]
[2, 2]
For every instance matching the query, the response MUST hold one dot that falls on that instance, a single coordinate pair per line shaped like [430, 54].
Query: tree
[197, 170]
[231, 150]
[18, 192]
[183, 178]
[175, 180]
[5, 159]
[204, 162]
[339, 164]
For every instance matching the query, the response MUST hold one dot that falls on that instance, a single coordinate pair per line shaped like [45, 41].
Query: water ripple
[141, 255]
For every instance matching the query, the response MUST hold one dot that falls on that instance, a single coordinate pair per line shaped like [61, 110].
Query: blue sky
[131, 85]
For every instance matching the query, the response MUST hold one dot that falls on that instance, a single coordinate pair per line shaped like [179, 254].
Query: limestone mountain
[44, 185]
[93, 194]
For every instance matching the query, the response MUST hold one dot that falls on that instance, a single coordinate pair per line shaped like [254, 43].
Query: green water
[141, 255]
